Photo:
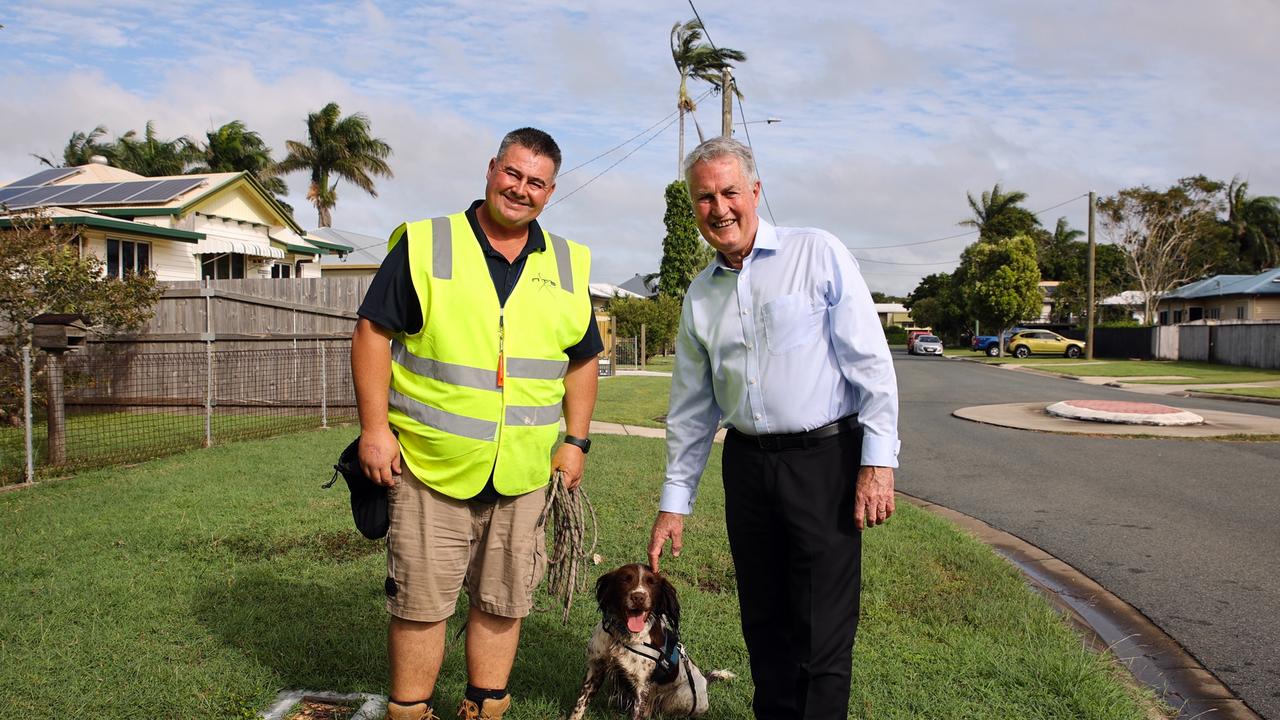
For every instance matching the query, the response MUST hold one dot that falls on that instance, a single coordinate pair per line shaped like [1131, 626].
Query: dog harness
[666, 658]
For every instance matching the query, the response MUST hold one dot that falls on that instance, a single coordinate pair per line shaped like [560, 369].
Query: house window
[280, 271]
[126, 257]
[1195, 313]
[1240, 313]
[1215, 314]
[1164, 317]
[1177, 316]
[222, 266]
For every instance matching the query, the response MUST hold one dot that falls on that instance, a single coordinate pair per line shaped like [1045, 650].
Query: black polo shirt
[392, 303]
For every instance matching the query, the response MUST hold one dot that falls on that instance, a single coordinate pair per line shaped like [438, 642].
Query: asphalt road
[1187, 531]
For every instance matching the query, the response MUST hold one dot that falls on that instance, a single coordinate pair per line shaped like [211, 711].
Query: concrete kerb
[1108, 623]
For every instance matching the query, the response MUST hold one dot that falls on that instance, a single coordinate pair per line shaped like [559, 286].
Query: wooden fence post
[57, 413]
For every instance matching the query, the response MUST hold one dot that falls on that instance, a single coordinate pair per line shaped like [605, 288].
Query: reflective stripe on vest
[457, 424]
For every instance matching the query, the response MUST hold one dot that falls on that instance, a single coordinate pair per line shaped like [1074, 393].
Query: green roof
[122, 225]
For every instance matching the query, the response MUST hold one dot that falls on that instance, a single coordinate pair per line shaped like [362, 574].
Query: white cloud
[891, 111]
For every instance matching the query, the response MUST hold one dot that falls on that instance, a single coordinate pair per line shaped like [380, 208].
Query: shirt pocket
[791, 322]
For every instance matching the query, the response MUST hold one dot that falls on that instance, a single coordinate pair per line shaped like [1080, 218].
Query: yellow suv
[1043, 342]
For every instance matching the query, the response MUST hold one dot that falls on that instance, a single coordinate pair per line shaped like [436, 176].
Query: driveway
[1183, 530]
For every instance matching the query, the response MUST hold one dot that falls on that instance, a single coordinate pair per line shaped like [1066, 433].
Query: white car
[927, 345]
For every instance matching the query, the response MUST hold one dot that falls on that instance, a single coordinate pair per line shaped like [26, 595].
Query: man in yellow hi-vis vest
[475, 336]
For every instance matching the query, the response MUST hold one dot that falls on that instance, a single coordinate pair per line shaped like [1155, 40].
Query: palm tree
[151, 156]
[999, 215]
[699, 60]
[234, 148]
[80, 149]
[337, 147]
[1255, 225]
[1055, 252]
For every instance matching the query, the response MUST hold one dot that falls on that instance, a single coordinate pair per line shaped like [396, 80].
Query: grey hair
[719, 147]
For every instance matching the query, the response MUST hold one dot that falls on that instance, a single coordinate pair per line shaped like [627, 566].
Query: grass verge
[1200, 372]
[198, 585]
[633, 400]
[1260, 392]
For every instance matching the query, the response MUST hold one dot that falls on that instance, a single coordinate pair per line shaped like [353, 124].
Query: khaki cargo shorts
[437, 545]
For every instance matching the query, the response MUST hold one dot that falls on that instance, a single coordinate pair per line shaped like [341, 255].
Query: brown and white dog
[636, 646]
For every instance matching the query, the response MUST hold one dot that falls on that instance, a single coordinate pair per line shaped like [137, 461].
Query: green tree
[684, 254]
[151, 156]
[1056, 254]
[337, 148]
[1254, 222]
[660, 316]
[41, 271]
[1111, 277]
[80, 149]
[937, 303]
[699, 60]
[235, 148]
[999, 214]
[1158, 231]
[1002, 281]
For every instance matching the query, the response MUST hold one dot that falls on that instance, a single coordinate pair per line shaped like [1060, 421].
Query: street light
[766, 121]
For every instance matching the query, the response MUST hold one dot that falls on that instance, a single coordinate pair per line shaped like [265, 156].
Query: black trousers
[798, 559]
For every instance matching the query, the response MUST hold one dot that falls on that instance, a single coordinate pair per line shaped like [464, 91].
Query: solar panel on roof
[166, 190]
[9, 195]
[77, 194]
[45, 177]
[38, 196]
[120, 192]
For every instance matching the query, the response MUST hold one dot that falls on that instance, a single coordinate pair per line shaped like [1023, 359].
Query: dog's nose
[638, 597]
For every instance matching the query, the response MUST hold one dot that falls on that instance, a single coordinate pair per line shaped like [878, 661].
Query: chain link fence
[120, 405]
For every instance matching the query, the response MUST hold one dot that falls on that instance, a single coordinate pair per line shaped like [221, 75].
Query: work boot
[416, 711]
[490, 710]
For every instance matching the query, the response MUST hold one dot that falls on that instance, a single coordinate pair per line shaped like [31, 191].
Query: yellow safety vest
[480, 386]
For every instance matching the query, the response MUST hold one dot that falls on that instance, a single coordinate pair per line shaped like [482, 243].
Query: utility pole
[1088, 333]
[726, 103]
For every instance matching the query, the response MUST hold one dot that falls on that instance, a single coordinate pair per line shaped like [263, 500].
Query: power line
[741, 110]
[602, 172]
[576, 167]
[965, 233]
[628, 140]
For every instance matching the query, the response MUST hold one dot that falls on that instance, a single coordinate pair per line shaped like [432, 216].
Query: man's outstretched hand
[667, 526]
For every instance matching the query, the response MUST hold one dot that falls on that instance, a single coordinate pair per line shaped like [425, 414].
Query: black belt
[791, 441]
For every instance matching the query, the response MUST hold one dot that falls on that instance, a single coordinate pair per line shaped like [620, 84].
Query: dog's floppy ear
[668, 601]
[606, 590]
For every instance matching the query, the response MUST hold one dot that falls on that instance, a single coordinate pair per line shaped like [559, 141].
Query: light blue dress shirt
[789, 343]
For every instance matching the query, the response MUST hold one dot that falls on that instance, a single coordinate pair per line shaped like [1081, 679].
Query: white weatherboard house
[181, 227]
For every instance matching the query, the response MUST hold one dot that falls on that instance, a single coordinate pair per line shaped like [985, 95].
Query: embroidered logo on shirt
[543, 283]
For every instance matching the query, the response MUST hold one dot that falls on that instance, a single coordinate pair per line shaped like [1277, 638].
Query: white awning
[240, 247]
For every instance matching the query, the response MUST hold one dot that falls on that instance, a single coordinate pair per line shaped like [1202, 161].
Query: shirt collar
[766, 240]
[537, 241]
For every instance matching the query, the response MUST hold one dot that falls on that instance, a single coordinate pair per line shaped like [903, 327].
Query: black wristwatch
[582, 444]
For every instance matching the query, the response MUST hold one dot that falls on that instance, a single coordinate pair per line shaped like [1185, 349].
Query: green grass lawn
[632, 400]
[1262, 392]
[1200, 372]
[198, 585]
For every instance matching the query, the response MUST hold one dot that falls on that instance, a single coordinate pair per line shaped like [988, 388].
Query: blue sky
[890, 111]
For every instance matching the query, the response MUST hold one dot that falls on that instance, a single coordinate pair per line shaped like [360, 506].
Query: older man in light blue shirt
[780, 342]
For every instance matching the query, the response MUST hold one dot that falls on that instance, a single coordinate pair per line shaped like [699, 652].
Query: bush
[896, 335]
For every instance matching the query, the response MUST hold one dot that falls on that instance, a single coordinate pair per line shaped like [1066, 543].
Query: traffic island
[1123, 412]
[1037, 417]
